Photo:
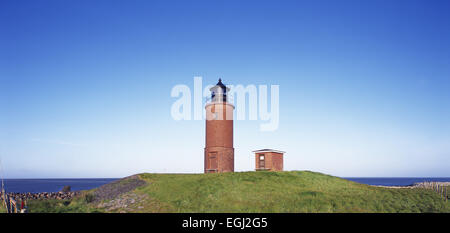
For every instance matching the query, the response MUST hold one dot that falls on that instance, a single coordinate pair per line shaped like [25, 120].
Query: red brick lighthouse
[219, 151]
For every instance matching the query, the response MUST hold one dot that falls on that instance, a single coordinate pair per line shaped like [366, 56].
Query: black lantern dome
[219, 92]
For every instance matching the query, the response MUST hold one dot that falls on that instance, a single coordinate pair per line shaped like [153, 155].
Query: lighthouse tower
[219, 151]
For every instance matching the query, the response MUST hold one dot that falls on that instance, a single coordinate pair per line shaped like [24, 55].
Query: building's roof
[220, 85]
[268, 150]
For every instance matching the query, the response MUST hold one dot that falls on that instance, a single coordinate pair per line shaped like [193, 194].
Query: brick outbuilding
[268, 160]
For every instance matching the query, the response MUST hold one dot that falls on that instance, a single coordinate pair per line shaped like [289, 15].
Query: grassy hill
[297, 191]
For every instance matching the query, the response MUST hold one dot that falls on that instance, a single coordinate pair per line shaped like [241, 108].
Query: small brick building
[268, 160]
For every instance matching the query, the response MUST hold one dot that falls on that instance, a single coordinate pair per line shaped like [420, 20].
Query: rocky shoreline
[418, 185]
[42, 196]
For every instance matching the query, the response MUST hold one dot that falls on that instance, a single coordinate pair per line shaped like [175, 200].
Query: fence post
[446, 197]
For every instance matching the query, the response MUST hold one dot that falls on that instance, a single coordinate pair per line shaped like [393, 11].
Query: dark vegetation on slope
[117, 188]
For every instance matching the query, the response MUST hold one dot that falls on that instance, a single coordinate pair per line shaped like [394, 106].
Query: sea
[55, 185]
[52, 185]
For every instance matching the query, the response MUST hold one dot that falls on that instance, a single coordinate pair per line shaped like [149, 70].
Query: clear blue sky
[85, 85]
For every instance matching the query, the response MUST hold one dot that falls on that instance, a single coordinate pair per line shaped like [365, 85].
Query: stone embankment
[42, 196]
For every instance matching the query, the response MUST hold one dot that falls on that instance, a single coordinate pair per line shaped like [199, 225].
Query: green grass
[260, 192]
[78, 205]
[2, 208]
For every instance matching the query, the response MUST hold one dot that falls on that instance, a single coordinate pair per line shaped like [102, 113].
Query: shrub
[89, 198]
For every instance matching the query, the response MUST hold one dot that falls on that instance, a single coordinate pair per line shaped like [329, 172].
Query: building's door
[262, 163]
[213, 162]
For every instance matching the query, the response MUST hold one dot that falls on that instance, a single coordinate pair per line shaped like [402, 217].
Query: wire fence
[11, 205]
[442, 188]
